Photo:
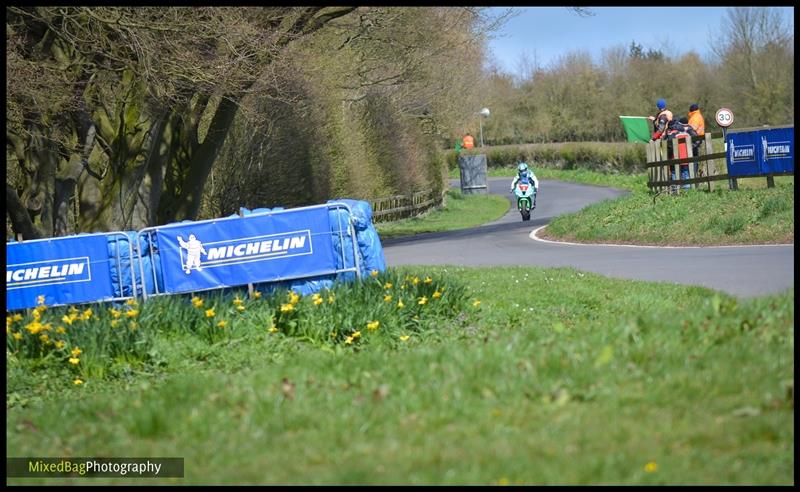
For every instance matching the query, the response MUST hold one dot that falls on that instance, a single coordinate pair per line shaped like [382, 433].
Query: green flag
[637, 128]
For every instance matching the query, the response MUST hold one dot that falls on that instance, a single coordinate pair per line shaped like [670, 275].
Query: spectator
[678, 127]
[661, 123]
[468, 142]
[699, 124]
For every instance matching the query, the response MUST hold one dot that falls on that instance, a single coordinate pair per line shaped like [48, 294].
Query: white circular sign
[724, 117]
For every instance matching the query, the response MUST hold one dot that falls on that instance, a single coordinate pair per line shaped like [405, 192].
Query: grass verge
[545, 376]
[748, 216]
[459, 212]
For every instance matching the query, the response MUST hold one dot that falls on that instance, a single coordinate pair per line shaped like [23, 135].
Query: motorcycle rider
[525, 174]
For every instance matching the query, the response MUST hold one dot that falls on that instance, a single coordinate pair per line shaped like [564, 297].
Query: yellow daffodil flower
[387, 285]
[356, 335]
[403, 338]
[400, 303]
[436, 295]
[476, 303]
[60, 344]
[77, 382]
[210, 313]
[222, 324]
[76, 352]
[132, 313]
[387, 298]
[237, 301]
[651, 467]
[17, 336]
[197, 302]
[373, 273]
[285, 308]
[131, 302]
[373, 325]
[74, 361]
[423, 300]
[428, 280]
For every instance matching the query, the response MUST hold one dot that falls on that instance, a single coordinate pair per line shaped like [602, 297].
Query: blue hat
[661, 104]
[693, 107]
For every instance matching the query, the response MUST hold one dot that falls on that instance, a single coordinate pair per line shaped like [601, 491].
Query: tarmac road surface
[743, 271]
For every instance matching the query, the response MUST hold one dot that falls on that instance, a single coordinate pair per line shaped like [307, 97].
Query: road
[743, 271]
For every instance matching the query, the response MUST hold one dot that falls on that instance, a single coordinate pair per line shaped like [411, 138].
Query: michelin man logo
[193, 249]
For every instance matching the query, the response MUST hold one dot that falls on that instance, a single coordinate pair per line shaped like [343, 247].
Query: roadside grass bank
[459, 212]
[750, 215]
[531, 376]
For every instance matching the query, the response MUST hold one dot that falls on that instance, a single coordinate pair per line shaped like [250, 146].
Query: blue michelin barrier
[146, 264]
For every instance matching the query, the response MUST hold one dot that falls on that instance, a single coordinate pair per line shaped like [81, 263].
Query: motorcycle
[526, 196]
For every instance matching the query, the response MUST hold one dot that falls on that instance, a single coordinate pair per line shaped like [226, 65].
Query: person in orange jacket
[468, 141]
[697, 122]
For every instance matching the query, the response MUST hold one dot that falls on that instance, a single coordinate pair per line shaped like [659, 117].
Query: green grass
[751, 215]
[581, 380]
[459, 212]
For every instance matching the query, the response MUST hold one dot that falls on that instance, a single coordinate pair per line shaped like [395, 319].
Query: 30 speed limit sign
[724, 117]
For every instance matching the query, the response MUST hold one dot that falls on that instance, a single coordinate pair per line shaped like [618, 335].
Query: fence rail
[661, 170]
[397, 207]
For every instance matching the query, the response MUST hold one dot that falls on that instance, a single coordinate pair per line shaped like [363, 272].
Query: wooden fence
[710, 165]
[404, 206]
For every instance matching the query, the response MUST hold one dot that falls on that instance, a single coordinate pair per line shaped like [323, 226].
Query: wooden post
[711, 166]
[770, 181]
[650, 170]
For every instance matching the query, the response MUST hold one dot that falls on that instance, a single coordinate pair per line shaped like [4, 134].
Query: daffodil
[403, 338]
[76, 352]
[77, 382]
[373, 273]
[373, 325]
[256, 294]
[86, 315]
[114, 322]
[222, 324]
[293, 297]
[651, 467]
[43, 337]
[330, 299]
[115, 313]
[348, 340]
[436, 295]
[74, 361]
[428, 280]
[423, 300]
[132, 313]
[476, 303]
[68, 319]
[131, 302]
[387, 298]
[237, 301]
[61, 330]
[210, 313]
[415, 280]
[272, 329]
[17, 317]
[387, 285]
[17, 336]
[356, 335]
[197, 302]
[60, 344]
[133, 325]
[400, 303]
[285, 308]
[34, 327]
[240, 308]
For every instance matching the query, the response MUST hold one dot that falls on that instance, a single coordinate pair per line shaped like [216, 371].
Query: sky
[545, 33]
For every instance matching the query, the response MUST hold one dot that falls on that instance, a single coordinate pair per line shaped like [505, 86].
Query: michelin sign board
[759, 152]
[64, 270]
[252, 249]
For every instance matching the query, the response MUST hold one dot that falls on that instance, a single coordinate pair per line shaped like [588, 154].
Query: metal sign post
[724, 118]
